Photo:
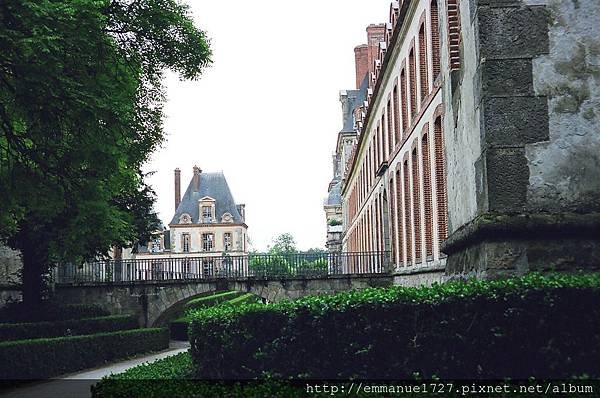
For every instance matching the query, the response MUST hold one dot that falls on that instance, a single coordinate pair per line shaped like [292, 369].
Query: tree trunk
[33, 276]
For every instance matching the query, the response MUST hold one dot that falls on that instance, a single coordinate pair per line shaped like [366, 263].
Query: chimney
[177, 187]
[196, 180]
[361, 62]
[375, 34]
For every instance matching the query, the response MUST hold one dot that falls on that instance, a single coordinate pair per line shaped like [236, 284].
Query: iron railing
[265, 266]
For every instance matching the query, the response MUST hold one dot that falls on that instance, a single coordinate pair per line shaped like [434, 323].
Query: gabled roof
[213, 185]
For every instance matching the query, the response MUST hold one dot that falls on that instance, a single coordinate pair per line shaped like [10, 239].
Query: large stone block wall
[522, 138]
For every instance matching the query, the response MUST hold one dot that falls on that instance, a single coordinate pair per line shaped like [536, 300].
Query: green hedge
[179, 327]
[45, 358]
[73, 327]
[170, 377]
[207, 301]
[50, 311]
[174, 377]
[539, 326]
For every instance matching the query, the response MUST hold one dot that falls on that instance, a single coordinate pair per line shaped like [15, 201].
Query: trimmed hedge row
[207, 301]
[534, 326]
[72, 327]
[45, 358]
[179, 327]
[50, 311]
[171, 377]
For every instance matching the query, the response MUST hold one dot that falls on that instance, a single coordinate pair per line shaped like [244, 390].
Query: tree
[283, 244]
[80, 113]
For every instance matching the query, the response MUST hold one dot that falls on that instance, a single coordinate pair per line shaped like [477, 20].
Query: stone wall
[152, 302]
[522, 139]
[10, 264]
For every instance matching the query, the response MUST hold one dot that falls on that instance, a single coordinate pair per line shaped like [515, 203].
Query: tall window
[440, 179]
[407, 214]
[206, 214]
[416, 204]
[427, 195]
[398, 210]
[390, 131]
[423, 62]
[412, 82]
[397, 134]
[403, 102]
[227, 241]
[208, 242]
[156, 244]
[435, 39]
[185, 242]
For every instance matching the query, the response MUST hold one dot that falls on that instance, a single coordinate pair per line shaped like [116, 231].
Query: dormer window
[185, 219]
[206, 214]
[227, 218]
[207, 210]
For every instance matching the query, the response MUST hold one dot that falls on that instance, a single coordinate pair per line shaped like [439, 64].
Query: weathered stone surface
[504, 77]
[511, 32]
[514, 121]
[507, 178]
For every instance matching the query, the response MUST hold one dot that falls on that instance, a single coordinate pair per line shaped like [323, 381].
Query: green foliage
[80, 113]
[45, 358]
[50, 311]
[478, 329]
[333, 222]
[283, 244]
[288, 264]
[74, 327]
[179, 327]
[207, 301]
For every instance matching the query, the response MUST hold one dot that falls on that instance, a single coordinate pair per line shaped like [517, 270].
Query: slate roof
[335, 195]
[358, 97]
[215, 186]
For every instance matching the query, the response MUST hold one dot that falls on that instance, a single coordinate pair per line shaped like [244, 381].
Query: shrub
[170, 377]
[45, 358]
[73, 327]
[207, 301]
[50, 311]
[539, 326]
[179, 327]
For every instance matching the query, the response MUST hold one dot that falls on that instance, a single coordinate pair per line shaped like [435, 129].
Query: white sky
[267, 112]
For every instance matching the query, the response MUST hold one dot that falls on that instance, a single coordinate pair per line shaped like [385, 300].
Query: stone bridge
[153, 301]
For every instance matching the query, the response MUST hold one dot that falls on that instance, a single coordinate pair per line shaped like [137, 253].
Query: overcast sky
[267, 112]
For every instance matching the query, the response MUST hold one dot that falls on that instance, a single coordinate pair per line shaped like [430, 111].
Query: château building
[475, 116]
[206, 222]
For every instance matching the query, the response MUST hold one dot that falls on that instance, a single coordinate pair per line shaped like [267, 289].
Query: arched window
[412, 82]
[407, 214]
[440, 179]
[435, 39]
[397, 134]
[390, 128]
[392, 204]
[383, 139]
[423, 62]
[398, 210]
[416, 204]
[403, 101]
[454, 33]
[427, 194]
